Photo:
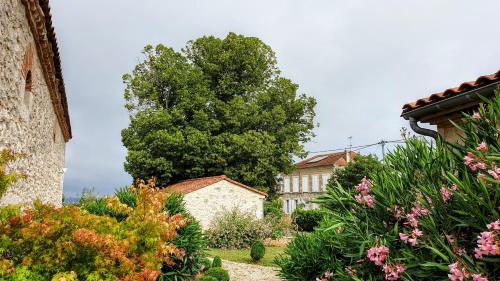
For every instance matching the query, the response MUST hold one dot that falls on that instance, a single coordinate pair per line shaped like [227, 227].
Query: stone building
[205, 197]
[449, 105]
[309, 179]
[34, 116]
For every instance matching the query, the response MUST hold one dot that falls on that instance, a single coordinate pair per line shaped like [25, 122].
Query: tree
[219, 106]
[354, 171]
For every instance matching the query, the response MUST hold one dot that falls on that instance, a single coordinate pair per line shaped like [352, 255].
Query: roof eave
[451, 102]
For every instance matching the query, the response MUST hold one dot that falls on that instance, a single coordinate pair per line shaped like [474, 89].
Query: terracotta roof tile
[188, 186]
[330, 159]
[464, 87]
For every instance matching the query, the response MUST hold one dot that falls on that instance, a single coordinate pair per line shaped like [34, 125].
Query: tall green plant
[8, 177]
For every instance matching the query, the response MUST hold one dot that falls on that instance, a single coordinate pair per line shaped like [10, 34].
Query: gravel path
[250, 272]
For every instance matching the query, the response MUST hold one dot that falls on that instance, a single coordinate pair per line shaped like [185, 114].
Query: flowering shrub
[431, 214]
[235, 229]
[69, 243]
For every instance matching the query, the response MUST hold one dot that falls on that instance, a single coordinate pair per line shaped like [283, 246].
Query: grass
[243, 255]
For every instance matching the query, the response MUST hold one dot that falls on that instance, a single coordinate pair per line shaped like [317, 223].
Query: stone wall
[28, 123]
[205, 203]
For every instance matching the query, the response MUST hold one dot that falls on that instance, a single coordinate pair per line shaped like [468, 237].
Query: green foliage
[7, 178]
[217, 262]
[219, 273]
[207, 278]
[235, 229]
[307, 220]
[257, 251]
[354, 171]
[127, 196]
[275, 218]
[437, 191]
[205, 264]
[217, 107]
[175, 204]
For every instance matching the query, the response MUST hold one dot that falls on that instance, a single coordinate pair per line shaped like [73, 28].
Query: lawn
[243, 255]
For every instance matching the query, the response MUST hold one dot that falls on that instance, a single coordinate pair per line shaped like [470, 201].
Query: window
[285, 206]
[325, 179]
[305, 183]
[27, 98]
[295, 184]
[286, 184]
[315, 183]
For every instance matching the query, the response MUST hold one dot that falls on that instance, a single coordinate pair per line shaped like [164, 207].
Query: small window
[305, 183]
[315, 183]
[286, 183]
[295, 184]
[28, 84]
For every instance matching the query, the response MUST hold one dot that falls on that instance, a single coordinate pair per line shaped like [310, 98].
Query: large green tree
[219, 106]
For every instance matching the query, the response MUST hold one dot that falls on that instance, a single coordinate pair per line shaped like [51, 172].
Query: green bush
[217, 262]
[257, 251]
[207, 278]
[219, 273]
[307, 220]
[235, 229]
[428, 214]
[276, 219]
[205, 264]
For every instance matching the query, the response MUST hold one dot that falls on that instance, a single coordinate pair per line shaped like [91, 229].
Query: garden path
[250, 272]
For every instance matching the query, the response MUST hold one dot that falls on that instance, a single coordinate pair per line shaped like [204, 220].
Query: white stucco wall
[28, 123]
[205, 203]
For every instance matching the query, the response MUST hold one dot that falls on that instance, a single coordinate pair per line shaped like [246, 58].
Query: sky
[361, 60]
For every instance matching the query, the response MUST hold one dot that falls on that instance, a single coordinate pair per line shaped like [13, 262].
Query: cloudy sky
[361, 60]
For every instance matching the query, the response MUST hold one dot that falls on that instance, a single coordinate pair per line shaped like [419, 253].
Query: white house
[205, 197]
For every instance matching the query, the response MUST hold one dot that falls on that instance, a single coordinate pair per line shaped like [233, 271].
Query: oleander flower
[378, 254]
[458, 272]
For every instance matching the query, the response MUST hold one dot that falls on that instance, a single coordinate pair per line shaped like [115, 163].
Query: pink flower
[365, 185]
[494, 225]
[328, 274]
[411, 238]
[494, 174]
[482, 147]
[486, 245]
[479, 165]
[378, 254]
[404, 237]
[365, 199]
[457, 273]
[469, 159]
[476, 115]
[393, 272]
[454, 187]
[445, 193]
[398, 212]
[479, 277]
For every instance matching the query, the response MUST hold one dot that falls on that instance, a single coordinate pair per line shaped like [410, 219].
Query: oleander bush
[257, 251]
[219, 273]
[235, 229]
[217, 262]
[307, 220]
[71, 243]
[430, 213]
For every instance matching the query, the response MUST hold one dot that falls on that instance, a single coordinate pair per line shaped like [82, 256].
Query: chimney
[347, 156]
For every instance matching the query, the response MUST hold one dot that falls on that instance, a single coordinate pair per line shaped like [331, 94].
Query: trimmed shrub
[219, 273]
[307, 220]
[430, 213]
[257, 251]
[207, 278]
[205, 264]
[235, 229]
[217, 262]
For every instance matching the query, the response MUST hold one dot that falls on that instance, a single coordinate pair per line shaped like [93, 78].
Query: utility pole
[382, 143]
[350, 143]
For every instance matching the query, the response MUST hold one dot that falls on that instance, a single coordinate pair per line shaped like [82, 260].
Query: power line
[359, 147]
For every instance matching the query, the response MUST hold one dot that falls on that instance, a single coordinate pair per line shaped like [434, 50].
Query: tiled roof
[330, 159]
[464, 87]
[188, 186]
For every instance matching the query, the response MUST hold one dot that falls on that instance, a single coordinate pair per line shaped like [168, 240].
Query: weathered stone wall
[28, 123]
[205, 203]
